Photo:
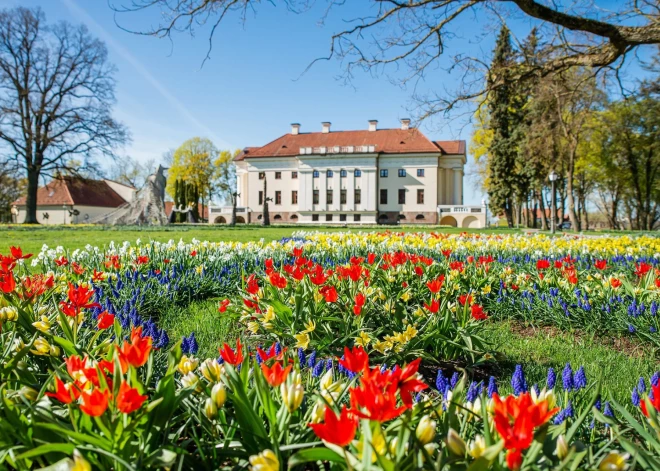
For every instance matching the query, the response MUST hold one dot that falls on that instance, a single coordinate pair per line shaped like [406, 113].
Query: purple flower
[454, 380]
[311, 361]
[473, 392]
[301, 356]
[518, 382]
[641, 385]
[580, 379]
[655, 379]
[318, 368]
[441, 382]
[635, 397]
[567, 377]
[492, 386]
[552, 378]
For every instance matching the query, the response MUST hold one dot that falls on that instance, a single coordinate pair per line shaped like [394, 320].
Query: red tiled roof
[244, 153]
[169, 204]
[386, 141]
[451, 147]
[76, 191]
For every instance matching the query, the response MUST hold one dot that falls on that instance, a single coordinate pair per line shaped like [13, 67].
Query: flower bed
[335, 330]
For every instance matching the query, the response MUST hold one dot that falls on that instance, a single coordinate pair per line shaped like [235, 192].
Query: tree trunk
[544, 216]
[234, 197]
[31, 200]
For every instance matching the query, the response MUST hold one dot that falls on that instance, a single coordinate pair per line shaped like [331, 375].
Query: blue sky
[252, 88]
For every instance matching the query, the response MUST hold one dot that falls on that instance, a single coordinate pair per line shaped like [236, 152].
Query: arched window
[419, 217]
[277, 217]
[259, 217]
[294, 217]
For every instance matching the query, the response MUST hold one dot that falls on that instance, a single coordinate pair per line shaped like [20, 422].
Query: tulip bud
[79, 463]
[55, 351]
[189, 380]
[326, 380]
[477, 446]
[210, 409]
[425, 431]
[187, 364]
[292, 395]
[431, 448]
[265, 461]
[613, 462]
[219, 394]
[562, 447]
[212, 370]
[318, 413]
[21, 365]
[455, 443]
[28, 393]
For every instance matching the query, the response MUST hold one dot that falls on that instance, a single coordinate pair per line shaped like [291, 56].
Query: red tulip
[655, 402]
[600, 264]
[17, 253]
[275, 375]
[340, 430]
[478, 313]
[105, 320]
[329, 294]
[231, 357]
[223, 305]
[65, 393]
[96, 403]
[434, 307]
[542, 264]
[436, 285]
[136, 353]
[129, 399]
[7, 282]
[355, 360]
[277, 280]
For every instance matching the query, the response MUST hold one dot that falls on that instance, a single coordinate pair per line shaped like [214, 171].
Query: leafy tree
[56, 96]
[12, 186]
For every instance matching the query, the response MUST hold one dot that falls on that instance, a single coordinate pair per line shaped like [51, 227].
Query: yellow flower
[425, 431]
[302, 339]
[363, 339]
[43, 325]
[186, 364]
[310, 326]
[292, 395]
[212, 370]
[382, 347]
[253, 327]
[79, 463]
[477, 446]
[41, 347]
[264, 461]
[455, 443]
[219, 394]
[485, 290]
[210, 409]
[613, 462]
[405, 296]
[269, 315]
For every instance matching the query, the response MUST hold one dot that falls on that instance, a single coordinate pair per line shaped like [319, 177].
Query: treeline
[605, 151]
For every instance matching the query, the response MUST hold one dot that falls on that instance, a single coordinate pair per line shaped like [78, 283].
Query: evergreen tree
[504, 108]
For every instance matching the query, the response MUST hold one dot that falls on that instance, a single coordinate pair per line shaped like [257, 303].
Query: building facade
[386, 176]
[69, 200]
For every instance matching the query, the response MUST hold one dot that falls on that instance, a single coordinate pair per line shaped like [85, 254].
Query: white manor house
[386, 176]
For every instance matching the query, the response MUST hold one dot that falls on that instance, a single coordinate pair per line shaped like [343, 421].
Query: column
[458, 183]
[323, 188]
[370, 189]
[336, 190]
[350, 190]
[305, 189]
[448, 185]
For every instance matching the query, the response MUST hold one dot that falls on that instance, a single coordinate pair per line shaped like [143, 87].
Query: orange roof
[386, 141]
[76, 191]
[451, 147]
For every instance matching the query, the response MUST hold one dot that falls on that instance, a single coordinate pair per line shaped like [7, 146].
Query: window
[358, 196]
[278, 175]
[420, 172]
[342, 173]
[420, 196]
[357, 218]
[328, 197]
[315, 197]
[261, 197]
[419, 217]
[402, 172]
[262, 175]
[402, 196]
[294, 217]
[342, 197]
[329, 173]
[278, 217]
[315, 217]
[383, 173]
[383, 196]
[278, 197]
[315, 174]
[294, 197]
[357, 173]
[328, 217]
[342, 218]
[294, 175]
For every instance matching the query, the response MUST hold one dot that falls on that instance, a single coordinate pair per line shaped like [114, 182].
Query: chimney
[405, 124]
[326, 127]
[295, 129]
[373, 124]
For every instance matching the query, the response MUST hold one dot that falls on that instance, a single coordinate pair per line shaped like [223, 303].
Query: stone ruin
[147, 207]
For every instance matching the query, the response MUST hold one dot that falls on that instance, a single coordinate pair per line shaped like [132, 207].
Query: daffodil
[302, 340]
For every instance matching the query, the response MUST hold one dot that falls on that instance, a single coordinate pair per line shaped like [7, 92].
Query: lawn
[32, 238]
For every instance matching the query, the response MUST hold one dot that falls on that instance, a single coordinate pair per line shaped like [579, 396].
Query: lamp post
[553, 177]
[485, 206]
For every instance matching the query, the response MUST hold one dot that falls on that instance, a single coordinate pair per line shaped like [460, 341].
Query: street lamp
[553, 177]
[485, 206]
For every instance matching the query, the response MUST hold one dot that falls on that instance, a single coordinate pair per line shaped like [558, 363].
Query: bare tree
[56, 95]
[410, 36]
[131, 171]
[11, 188]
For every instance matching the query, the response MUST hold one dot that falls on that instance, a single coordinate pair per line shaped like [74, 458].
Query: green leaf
[313, 455]
[66, 448]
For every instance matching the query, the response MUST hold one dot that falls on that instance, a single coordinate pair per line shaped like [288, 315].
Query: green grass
[32, 238]
[618, 361]
[201, 317]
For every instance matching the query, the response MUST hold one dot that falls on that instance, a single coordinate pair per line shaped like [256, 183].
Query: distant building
[69, 200]
[386, 176]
